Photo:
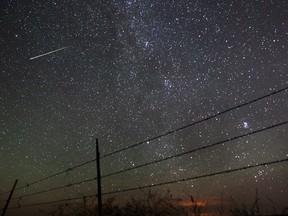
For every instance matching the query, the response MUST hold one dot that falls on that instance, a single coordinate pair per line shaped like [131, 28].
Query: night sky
[125, 71]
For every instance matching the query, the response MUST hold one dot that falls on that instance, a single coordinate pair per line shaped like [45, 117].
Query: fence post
[8, 201]
[98, 179]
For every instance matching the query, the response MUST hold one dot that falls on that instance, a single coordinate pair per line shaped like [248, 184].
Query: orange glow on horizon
[188, 203]
[206, 202]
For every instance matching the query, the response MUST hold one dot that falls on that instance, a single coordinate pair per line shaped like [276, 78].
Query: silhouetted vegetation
[155, 204]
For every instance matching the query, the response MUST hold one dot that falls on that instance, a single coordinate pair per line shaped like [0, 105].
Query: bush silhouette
[156, 204]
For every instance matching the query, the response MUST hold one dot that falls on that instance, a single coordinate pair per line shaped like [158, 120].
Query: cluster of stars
[134, 70]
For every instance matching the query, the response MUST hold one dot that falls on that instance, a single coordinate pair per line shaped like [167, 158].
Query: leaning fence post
[8, 201]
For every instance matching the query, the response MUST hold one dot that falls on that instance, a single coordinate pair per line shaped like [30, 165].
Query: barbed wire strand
[53, 201]
[197, 149]
[199, 177]
[196, 122]
[53, 189]
[51, 176]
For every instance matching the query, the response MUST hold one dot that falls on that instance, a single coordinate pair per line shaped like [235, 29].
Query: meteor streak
[49, 53]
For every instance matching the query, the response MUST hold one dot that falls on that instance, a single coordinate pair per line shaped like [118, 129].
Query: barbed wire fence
[222, 172]
[227, 171]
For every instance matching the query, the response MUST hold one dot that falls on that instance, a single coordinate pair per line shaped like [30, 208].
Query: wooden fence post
[98, 179]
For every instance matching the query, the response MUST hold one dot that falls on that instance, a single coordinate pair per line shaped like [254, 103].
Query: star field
[133, 70]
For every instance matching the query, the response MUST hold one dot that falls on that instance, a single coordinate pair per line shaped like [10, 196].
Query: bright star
[246, 125]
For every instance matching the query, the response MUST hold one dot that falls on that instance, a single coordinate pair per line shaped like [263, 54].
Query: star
[246, 125]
